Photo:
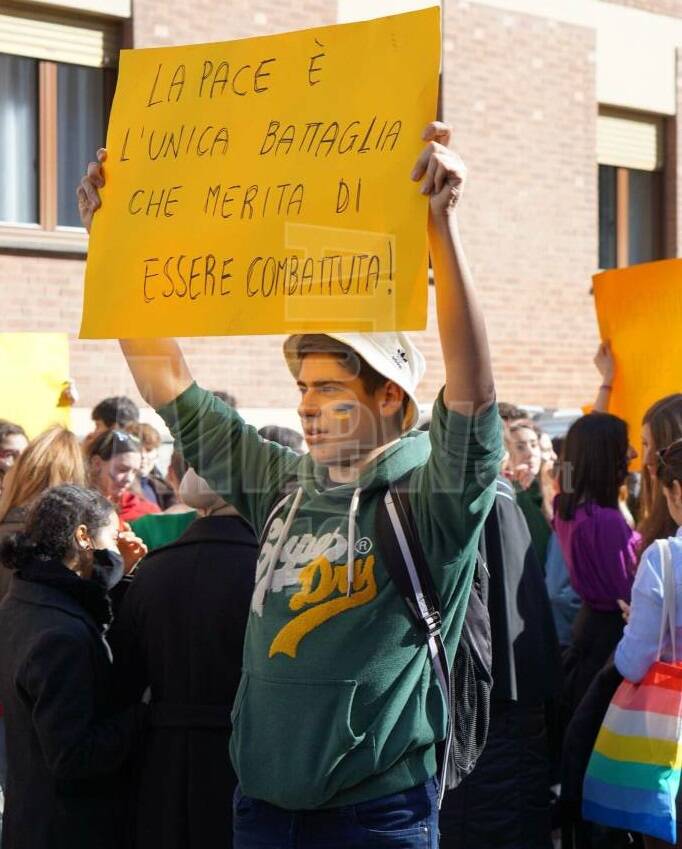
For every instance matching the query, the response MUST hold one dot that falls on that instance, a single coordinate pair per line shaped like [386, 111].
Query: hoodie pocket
[292, 742]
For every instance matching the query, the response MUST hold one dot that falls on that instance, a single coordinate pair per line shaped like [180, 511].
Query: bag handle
[669, 611]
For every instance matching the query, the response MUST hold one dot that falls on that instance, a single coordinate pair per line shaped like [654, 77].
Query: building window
[630, 216]
[82, 114]
[57, 78]
[53, 118]
[631, 159]
[19, 140]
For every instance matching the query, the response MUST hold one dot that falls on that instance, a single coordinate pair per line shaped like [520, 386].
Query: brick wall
[520, 93]
[658, 7]
[164, 22]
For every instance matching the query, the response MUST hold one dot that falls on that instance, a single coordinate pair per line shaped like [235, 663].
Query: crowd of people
[240, 599]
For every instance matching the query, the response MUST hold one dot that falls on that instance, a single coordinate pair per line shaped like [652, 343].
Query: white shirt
[638, 647]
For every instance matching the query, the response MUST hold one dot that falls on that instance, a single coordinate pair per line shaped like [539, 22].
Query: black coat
[526, 654]
[581, 735]
[180, 632]
[595, 637]
[504, 802]
[165, 496]
[64, 745]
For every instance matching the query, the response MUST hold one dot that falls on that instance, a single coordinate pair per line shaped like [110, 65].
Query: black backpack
[467, 685]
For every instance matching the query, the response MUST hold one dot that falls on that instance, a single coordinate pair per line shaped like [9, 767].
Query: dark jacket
[163, 494]
[530, 502]
[580, 737]
[504, 803]
[595, 637]
[526, 654]
[64, 746]
[180, 632]
[11, 524]
[505, 800]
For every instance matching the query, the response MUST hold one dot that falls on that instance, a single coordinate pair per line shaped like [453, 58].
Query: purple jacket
[600, 550]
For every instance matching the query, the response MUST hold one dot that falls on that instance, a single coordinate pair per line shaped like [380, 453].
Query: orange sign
[639, 310]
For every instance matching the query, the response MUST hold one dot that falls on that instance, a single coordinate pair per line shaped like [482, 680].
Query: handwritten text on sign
[263, 185]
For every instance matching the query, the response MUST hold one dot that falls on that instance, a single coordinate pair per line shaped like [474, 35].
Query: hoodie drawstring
[281, 539]
[350, 561]
[284, 534]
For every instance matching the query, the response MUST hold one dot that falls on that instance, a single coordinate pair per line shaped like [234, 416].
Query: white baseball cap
[392, 355]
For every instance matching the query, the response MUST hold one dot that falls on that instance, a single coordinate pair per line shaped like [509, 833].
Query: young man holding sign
[338, 712]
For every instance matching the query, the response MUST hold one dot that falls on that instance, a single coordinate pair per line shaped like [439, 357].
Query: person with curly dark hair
[65, 744]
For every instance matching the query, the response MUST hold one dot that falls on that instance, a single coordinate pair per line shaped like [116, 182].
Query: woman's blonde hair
[51, 459]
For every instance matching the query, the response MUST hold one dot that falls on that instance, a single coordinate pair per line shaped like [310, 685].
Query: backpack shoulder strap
[409, 570]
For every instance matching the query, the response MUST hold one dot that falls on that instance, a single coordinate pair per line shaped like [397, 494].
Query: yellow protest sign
[639, 310]
[263, 185]
[34, 367]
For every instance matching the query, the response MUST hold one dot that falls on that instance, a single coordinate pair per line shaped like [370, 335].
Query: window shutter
[629, 140]
[58, 38]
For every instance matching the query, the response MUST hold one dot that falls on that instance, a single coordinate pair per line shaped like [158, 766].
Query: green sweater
[530, 502]
[337, 702]
[158, 529]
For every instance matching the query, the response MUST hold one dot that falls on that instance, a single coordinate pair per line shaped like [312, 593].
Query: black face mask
[107, 567]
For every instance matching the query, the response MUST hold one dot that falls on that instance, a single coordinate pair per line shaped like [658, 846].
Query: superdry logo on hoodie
[307, 561]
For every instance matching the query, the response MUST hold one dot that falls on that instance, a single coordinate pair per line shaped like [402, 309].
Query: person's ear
[83, 538]
[391, 399]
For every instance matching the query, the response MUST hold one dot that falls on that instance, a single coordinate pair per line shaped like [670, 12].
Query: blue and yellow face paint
[343, 411]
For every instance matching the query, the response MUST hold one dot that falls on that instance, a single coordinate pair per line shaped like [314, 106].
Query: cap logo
[400, 358]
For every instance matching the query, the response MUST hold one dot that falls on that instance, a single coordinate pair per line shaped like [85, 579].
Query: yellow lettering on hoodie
[319, 580]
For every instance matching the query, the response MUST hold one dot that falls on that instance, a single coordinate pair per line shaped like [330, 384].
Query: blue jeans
[407, 820]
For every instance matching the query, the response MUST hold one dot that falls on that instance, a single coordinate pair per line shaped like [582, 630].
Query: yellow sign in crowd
[262, 185]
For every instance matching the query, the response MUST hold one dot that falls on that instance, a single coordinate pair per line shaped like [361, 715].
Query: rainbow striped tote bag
[633, 775]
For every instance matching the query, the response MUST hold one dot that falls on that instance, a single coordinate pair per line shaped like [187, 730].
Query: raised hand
[604, 362]
[131, 547]
[442, 171]
[87, 190]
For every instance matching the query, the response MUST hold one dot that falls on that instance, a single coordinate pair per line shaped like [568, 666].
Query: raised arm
[606, 367]
[157, 365]
[469, 384]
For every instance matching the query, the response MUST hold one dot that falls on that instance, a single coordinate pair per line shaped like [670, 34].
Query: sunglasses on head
[120, 436]
[663, 455]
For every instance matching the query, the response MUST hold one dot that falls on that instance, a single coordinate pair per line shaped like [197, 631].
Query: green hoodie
[337, 703]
